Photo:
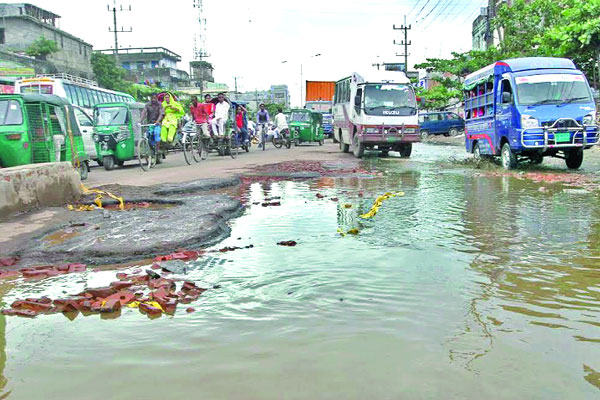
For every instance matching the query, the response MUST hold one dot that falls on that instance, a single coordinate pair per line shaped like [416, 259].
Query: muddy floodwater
[473, 285]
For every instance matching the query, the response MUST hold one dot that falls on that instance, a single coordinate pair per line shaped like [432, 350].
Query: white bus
[379, 113]
[82, 92]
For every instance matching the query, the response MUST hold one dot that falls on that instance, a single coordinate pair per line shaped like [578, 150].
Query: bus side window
[507, 93]
[68, 90]
[79, 97]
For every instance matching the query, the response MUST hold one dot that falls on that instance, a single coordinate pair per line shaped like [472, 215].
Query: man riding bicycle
[281, 126]
[152, 115]
[262, 120]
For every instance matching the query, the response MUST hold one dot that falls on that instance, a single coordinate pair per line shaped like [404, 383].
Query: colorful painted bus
[378, 113]
[528, 109]
[78, 91]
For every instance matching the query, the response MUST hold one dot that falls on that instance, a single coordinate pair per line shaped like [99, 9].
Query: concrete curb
[32, 186]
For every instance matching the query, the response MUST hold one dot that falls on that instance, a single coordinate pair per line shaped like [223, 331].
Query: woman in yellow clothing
[173, 112]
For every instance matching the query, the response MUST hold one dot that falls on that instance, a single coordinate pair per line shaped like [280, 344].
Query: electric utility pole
[404, 43]
[115, 29]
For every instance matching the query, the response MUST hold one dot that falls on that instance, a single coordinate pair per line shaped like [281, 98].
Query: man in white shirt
[221, 116]
[281, 125]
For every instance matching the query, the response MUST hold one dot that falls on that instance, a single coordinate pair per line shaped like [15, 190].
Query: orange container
[319, 90]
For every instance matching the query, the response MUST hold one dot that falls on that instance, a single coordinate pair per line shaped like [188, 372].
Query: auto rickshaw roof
[46, 98]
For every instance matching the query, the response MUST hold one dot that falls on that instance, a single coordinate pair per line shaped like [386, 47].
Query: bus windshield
[300, 117]
[380, 99]
[42, 89]
[10, 113]
[552, 89]
[110, 116]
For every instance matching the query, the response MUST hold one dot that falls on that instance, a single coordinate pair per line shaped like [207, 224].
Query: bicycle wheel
[196, 143]
[186, 145]
[233, 147]
[144, 154]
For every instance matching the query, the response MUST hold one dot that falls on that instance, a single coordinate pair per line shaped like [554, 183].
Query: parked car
[86, 127]
[440, 123]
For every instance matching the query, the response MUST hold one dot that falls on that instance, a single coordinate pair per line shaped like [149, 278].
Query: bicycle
[263, 135]
[146, 148]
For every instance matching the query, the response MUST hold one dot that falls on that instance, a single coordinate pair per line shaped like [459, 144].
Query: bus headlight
[589, 119]
[528, 122]
[371, 130]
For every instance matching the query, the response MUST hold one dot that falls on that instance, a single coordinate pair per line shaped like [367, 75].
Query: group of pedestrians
[208, 116]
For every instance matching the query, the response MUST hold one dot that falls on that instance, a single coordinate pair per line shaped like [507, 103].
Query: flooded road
[471, 285]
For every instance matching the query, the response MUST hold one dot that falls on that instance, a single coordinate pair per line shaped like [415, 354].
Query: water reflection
[466, 287]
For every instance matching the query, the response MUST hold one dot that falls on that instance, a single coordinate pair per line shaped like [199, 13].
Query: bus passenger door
[504, 111]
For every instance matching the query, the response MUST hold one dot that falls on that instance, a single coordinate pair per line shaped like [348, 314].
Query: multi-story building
[152, 66]
[21, 24]
[481, 30]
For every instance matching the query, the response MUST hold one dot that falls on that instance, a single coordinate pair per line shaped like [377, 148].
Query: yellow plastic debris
[136, 304]
[378, 203]
[353, 231]
[100, 194]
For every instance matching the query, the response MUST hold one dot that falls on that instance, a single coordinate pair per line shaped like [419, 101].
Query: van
[530, 108]
[440, 123]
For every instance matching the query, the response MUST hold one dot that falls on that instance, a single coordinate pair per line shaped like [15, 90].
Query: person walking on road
[221, 116]
[173, 113]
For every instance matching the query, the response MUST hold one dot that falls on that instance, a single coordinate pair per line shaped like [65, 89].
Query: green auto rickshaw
[39, 128]
[117, 131]
[306, 126]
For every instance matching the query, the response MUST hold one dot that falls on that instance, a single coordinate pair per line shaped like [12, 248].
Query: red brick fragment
[85, 305]
[31, 305]
[119, 285]
[148, 309]
[43, 300]
[187, 285]
[110, 305]
[289, 243]
[101, 292]
[9, 274]
[67, 305]
[124, 297]
[8, 261]
[122, 276]
[156, 266]
[36, 273]
[20, 313]
[190, 309]
[168, 284]
[167, 257]
[139, 278]
[320, 196]
[77, 267]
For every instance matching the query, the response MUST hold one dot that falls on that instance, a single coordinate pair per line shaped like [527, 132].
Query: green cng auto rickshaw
[39, 128]
[117, 131]
[306, 126]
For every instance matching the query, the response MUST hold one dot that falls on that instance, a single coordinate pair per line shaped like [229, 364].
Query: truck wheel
[509, 159]
[574, 158]
[109, 162]
[358, 149]
[453, 132]
[477, 152]
[424, 134]
[405, 150]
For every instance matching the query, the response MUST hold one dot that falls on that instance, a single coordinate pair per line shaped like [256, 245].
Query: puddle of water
[465, 287]
[60, 237]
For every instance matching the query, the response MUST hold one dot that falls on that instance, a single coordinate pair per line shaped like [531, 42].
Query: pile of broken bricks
[151, 293]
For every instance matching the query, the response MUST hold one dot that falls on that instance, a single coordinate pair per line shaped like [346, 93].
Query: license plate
[562, 137]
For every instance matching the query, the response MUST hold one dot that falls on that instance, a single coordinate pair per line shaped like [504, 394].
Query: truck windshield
[300, 117]
[552, 89]
[10, 112]
[322, 107]
[107, 116]
[380, 99]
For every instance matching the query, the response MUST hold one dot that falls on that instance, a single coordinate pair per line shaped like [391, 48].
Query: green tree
[41, 48]
[108, 74]
[576, 35]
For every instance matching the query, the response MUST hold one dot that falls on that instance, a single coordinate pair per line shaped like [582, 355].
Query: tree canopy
[554, 28]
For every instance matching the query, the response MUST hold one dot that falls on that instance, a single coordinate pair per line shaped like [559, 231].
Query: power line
[436, 16]
[422, 8]
[414, 7]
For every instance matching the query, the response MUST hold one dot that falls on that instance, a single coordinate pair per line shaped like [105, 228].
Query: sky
[250, 40]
